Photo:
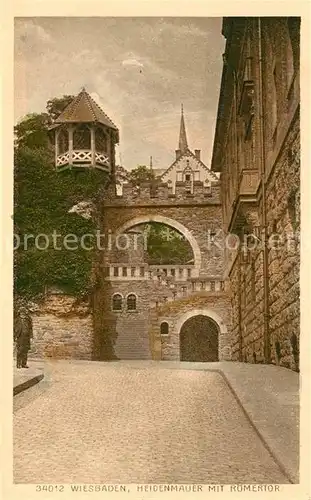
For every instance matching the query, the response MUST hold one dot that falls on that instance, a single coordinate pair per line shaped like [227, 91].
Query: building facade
[257, 152]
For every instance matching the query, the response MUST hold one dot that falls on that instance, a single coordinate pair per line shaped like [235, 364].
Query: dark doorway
[199, 339]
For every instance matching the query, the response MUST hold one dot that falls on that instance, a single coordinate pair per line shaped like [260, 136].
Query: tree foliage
[56, 105]
[42, 199]
[141, 174]
[167, 246]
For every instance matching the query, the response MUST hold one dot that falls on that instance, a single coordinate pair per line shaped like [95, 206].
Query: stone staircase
[133, 342]
[176, 291]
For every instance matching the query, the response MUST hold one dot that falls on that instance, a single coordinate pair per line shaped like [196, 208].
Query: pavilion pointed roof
[83, 109]
[183, 143]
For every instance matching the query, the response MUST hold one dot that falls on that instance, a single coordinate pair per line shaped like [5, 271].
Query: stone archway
[199, 332]
[199, 339]
[172, 223]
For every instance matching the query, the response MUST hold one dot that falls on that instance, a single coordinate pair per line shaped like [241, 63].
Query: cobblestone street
[123, 422]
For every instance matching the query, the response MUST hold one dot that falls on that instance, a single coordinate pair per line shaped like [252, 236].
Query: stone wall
[283, 206]
[247, 280]
[235, 300]
[252, 308]
[62, 329]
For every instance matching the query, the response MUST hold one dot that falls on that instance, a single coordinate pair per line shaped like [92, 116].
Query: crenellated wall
[160, 194]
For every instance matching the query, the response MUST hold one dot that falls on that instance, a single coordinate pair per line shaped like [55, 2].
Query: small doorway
[199, 339]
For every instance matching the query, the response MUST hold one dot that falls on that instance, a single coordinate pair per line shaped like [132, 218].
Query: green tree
[141, 174]
[32, 131]
[42, 200]
[167, 246]
[56, 105]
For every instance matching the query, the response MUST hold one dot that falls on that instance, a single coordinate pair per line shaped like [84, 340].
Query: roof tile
[84, 109]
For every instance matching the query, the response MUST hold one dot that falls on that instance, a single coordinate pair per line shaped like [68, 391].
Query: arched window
[131, 302]
[117, 300]
[82, 137]
[188, 174]
[164, 328]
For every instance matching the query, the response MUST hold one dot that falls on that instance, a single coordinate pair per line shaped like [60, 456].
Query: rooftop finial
[183, 144]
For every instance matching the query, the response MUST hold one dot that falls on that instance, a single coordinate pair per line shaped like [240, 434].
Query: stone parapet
[162, 194]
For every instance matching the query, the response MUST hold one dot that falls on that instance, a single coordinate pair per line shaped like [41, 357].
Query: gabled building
[187, 166]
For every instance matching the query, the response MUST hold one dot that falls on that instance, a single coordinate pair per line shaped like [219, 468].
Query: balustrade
[83, 157]
[176, 279]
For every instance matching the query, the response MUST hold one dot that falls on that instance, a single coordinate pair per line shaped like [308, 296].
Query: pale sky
[139, 70]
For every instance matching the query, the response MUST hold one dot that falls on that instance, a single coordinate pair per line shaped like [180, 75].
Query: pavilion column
[70, 136]
[56, 145]
[93, 146]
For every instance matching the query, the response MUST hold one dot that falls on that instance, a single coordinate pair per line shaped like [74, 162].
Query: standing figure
[22, 336]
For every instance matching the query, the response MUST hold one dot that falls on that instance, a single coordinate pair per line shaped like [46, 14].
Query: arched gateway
[136, 221]
[199, 339]
[200, 333]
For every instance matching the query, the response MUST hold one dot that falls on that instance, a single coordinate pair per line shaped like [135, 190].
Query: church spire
[183, 144]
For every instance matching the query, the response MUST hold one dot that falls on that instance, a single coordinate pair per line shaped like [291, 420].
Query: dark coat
[22, 330]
